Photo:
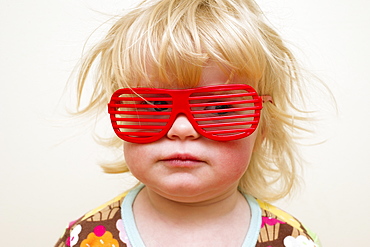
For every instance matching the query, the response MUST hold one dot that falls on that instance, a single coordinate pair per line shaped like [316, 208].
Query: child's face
[187, 167]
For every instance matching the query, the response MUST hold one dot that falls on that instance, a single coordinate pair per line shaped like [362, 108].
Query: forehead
[211, 73]
[214, 74]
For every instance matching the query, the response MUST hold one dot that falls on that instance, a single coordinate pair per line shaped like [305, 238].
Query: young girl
[200, 96]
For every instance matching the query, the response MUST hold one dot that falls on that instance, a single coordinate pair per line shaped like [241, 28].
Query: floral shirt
[113, 225]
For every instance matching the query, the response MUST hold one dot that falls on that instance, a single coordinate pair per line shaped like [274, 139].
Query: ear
[267, 98]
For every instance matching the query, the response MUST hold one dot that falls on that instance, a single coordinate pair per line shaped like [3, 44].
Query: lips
[182, 161]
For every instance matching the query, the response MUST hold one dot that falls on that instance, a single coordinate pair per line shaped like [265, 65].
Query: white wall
[48, 169]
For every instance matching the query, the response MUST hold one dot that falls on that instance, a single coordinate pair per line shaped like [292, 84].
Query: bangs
[163, 47]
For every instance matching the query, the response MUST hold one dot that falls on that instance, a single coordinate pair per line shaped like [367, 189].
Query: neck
[183, 211]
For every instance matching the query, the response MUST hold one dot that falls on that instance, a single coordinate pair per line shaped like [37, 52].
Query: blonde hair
[172, 39]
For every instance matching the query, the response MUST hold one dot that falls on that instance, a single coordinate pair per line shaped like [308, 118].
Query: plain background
[49, 171]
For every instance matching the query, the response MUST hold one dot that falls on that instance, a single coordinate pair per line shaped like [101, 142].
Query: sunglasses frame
[179, 97]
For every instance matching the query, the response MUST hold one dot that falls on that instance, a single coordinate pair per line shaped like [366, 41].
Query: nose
[182, 129]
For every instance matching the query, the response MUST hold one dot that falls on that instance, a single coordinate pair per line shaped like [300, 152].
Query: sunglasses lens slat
[115, 119]
[218, 95]
[228, 124]
[231, 131]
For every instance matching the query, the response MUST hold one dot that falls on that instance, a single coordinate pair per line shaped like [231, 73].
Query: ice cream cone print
[100, 238]
[281, 215]
[270, 227]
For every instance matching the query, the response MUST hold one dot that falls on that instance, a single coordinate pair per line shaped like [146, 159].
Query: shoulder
[101, 225]
[279, 228]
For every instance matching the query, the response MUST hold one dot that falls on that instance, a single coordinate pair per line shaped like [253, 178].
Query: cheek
[239, 154]
[136, 159]
[241, 159]
[132, 153]
[128, 152]
[140, 158]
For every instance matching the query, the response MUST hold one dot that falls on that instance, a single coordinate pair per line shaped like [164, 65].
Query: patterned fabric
[279, 228]
[103, 227]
